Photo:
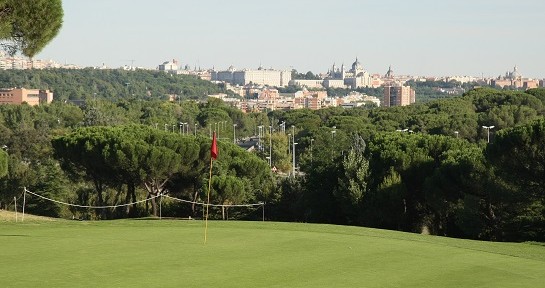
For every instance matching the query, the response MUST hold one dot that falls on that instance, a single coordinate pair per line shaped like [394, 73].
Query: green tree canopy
[3, 163]
[27, 26]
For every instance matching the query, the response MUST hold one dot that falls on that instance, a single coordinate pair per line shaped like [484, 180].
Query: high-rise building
[398, 95]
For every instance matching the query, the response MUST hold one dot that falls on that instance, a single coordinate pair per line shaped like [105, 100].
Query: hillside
[108, 84]
[9, 216]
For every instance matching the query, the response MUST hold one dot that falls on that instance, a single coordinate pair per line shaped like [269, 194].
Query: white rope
[87, 206]
[215, 205]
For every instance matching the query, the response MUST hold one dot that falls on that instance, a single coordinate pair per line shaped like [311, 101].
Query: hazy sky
[419, 37]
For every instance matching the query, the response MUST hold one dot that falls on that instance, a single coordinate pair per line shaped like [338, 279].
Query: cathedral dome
[357, 65]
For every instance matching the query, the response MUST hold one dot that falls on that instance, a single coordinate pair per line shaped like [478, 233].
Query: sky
[419, 37]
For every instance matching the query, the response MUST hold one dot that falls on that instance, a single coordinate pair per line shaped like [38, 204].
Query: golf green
[172, 253]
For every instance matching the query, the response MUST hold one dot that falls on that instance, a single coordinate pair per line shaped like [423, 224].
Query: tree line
[424, 167]
[110, 84]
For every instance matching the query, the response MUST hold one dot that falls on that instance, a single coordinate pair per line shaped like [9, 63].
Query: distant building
[307, 83]
[261, 76]
[371, 99]
[398, 95]
[514, 79]
[313, 100]
[268, 97]
[19, 96]
[354, 78]
[169, 66]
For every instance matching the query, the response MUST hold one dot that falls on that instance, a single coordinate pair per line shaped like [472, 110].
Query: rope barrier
[214, 205]
[262, 204]
[90, 206]
[141, 201]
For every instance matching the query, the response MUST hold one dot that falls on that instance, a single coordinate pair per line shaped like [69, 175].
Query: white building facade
[262, 77]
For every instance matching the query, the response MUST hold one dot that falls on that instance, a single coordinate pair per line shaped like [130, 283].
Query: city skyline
[427, 38]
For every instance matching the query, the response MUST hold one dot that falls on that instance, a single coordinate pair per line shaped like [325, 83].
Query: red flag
[214, 148]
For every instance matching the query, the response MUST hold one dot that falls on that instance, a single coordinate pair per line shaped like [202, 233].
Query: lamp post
[270, 146]
[293, 168]
[196, 130]
[166, 125]
[488, 131]
[260, 133]
[457, 133]
[234, 134]
[289, 145]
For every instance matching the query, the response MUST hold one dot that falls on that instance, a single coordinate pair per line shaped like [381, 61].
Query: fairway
[171, 253]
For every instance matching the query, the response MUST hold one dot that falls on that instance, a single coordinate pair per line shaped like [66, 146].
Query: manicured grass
[171, 253]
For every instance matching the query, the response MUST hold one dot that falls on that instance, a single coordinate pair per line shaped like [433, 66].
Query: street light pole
[293, 168]
[457, 133]
[289, 145]
[234, 135]
[270, 146]
[259, 135]
[488, 131]
[196, 130]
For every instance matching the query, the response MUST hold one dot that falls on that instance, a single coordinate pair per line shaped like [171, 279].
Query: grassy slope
[151, 253]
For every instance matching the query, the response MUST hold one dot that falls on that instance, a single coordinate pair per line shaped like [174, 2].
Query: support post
[15, 199]
[160, 206]
[24, 203]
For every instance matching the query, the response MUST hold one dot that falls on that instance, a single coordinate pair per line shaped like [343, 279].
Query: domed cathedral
[357, 69]
[515, 75]
[514, 79]
[354, 78]
[390, 73]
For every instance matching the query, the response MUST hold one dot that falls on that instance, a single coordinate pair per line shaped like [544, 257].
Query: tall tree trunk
[154, 204]
[100, 201]
[193, 205]
[131, 197]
